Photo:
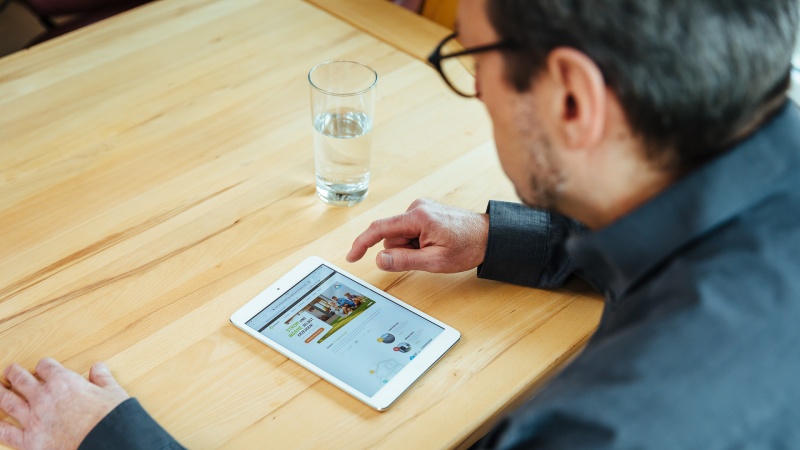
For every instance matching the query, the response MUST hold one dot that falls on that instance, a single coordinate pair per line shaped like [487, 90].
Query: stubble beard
[546, 178]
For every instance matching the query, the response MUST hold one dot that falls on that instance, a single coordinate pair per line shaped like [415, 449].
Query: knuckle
[47, 362]
[14, 376]
[424, 214]
[424, 203]
[43, 366]
[431, 204]
[418, 211]
[8, 404]
[375, 225]
[60, 384]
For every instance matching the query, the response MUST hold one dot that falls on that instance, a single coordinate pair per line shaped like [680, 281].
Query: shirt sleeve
[129, 427]
[526, 246]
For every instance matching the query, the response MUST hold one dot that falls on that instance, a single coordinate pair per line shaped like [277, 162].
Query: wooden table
[156, 173]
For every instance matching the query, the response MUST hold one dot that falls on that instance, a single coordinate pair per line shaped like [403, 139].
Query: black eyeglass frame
[436, 57]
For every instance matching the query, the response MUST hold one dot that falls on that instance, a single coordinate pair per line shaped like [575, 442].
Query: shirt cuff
[129, 427]
[518, 243]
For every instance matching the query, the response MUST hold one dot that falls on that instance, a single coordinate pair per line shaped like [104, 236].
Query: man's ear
[577, 102]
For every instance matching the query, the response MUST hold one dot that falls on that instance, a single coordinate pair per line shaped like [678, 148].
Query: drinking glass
[342, 114]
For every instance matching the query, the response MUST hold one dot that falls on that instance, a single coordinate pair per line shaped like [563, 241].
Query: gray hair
[691, 75]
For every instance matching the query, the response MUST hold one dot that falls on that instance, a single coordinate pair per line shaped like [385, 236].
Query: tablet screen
[346, 329]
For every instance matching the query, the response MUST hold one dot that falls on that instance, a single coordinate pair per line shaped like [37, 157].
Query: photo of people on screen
[336, 306]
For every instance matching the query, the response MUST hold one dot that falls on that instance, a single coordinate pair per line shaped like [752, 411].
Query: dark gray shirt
[696, 348]
[697, 345]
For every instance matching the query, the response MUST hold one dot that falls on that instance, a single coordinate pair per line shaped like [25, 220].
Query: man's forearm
[129, 427]
[526, 246]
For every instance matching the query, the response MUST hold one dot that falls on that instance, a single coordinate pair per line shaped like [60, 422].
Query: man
[662, 127]
[355, 300]
[344, 302]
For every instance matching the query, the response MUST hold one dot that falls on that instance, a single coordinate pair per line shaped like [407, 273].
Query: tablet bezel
[387, 394]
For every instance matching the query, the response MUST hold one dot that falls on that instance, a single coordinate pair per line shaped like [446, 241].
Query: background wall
[18, 26]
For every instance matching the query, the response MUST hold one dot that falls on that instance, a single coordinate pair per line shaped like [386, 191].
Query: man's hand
[429, 236]
[57, 408]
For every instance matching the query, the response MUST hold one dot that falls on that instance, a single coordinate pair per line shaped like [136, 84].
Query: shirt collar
[618, 256]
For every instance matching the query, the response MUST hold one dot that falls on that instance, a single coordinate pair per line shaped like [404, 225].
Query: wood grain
[156, 172]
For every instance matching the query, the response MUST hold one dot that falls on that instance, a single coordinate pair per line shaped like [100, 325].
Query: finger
[363, 242]
[100, 375]
[14, 406]
[10, 435]
[22, 380]
[401, 242]
[428, 259]
[397, 226]
[48, 368]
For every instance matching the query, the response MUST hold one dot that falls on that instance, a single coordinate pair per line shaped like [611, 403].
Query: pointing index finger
[397, 226]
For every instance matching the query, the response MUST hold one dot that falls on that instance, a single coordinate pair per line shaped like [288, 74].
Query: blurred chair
[442, 12]
[62, 16]
[413, 5]
[18, 25]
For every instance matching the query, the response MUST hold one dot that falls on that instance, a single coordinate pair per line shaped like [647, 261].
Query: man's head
[592, 85]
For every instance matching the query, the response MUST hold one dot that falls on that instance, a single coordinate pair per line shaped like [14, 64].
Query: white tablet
[359, 338]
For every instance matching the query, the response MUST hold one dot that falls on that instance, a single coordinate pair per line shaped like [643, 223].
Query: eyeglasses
[457, 65]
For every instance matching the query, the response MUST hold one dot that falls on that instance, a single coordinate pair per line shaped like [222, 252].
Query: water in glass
[341, 150]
